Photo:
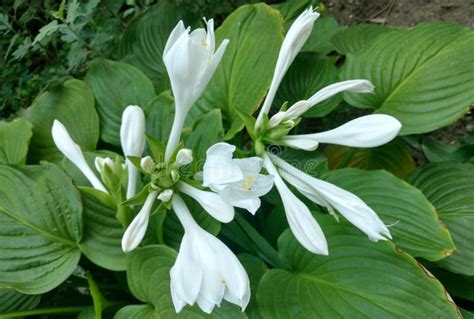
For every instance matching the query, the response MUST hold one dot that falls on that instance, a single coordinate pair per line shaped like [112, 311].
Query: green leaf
[416, 227]
[355, 38]
[318, 41]
[72, 103]
[440, 152]
[393, 157]
[160, 114]
[46, 31]
[12, 300]
[290, 10]
[422, 76]
[117, 85]
[206, 131]
[102, 234]
[14, 140]
[457, 285]
[450, 187]
[359, 279]
[149, 280]
[309, 73]
[144, 40]
[40, 226]
[245, 72]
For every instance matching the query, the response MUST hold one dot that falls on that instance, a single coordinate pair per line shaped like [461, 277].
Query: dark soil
[401, 13]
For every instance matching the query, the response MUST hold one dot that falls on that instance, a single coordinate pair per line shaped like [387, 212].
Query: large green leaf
[422, 76]
[355, 38]
[149, 280]
[159, 119]
[14, 140]
[12, 300]
[206, 131]
[117, 85]
[416, 227]
[144, 40]
[244, 74]
[40, 227]
[450, 187]
[102, 234]
[72, 103]
[393, 157]
[359, 279]
[318, 41]
[309, 73]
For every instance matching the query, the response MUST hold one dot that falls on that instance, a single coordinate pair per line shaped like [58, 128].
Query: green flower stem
[43, 311]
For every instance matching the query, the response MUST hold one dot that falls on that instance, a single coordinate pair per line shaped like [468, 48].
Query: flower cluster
[206, 271]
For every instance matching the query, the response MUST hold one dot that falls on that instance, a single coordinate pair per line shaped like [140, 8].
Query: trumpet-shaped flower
[73, 152]
[237, 180]
[132, 137]
[332, 197]
[206, 271]
[190, 60]
[292, 44]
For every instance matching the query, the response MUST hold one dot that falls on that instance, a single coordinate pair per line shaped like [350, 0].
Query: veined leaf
[422, 76]
[72, 103]
[416, 227]
[14, 140]
[450, 187]
[117, 85]
[12, 300]
[245, 72]
[355, 38]
[359, 279]
[40, 227]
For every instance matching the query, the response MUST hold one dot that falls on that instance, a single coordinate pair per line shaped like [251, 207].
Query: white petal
[73, 152]
[250, 165]
[219, 167]
[276, 119]
[292, 44]
[132, 131]
[359, 86]
[212, 65]
[166, 195]
[329, 195]
[178, 30]
[137, 229]
[177, 301]
[184, 157]
[187, 272]
[366, 131]
[303, 225]
[250, 204]
[215, 205]
[301, 142]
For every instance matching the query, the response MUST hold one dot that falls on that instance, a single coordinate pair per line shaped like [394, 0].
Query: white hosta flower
[166, 195]
[147, 164]
[190, 60]
[206, 270]
[303, 225]
[333, 197]
[137, 229]
[366, 131]
[238, 181]
[73, 152]
[301, 107]
[212, 203]
[292, 44]
[184, 157]
[132, 138]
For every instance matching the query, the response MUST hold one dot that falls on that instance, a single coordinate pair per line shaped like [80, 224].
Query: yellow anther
[248, 183]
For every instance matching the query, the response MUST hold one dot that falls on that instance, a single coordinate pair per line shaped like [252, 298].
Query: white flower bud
[147, 164]
[165, 196]
[184, 157]
[100, 162]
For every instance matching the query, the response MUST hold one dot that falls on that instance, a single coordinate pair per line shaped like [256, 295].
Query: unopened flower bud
[100, 162]
[147, 164]
[184, 157]
[165, 196]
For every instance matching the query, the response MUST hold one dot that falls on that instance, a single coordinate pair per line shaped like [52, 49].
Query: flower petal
[215, 205]
[366, 131]
[137, 229]
[178, 30]
[219, 167]
[359, 86]
[300, 142]
[73, 152]
[329, 195]
[303, 225]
